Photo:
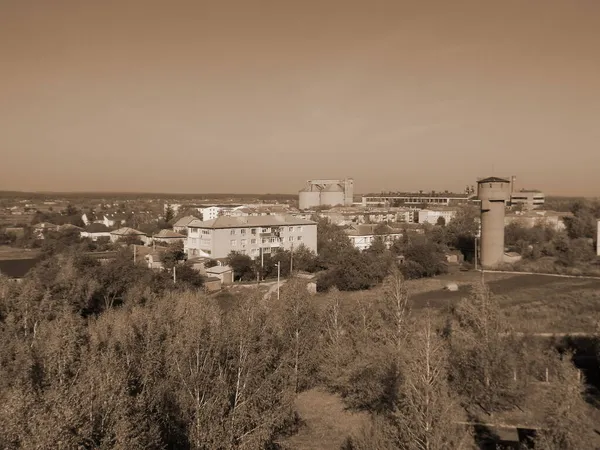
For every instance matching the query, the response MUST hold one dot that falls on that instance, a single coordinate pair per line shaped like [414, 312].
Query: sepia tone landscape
[171, 277]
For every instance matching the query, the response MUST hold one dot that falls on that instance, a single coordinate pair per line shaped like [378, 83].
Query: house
[126, 232]
[223, 273]
[362, 236]
[168, 237]
[249, 235]
[17, 269]
[114, 219]
[40, 228]
[180, 226]
[96, 231]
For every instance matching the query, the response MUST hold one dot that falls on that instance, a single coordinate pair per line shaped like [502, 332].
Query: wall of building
[219, 243]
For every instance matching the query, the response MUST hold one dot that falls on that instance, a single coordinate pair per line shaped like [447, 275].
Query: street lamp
[278, 273]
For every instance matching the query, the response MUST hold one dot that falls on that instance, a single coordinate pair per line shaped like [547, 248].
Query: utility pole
[278, 273]
[292, 260]
[134, 253]
[174, 274]
[475, 252]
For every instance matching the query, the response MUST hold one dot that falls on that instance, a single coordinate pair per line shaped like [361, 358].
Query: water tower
[493, 192]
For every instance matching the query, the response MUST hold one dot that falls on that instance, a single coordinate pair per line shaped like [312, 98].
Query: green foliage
[243, 267]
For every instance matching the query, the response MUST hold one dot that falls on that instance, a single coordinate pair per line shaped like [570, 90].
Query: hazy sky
[259, 96]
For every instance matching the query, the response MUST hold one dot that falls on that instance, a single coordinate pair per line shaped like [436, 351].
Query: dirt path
[327, 423]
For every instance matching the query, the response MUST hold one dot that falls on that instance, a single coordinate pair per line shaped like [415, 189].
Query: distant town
[213, 229]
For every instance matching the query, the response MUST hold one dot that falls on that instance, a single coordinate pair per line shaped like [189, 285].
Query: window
[274, 239]
[291, 238]
[254, 251]
[233, 242]
[299, 238]
[243, 252]
[193, 230]
[265, 240]
[253, 231]
[267, 250]
[265, 230]
[243, 231]
[291, 229]
[232, 232]
[299, 229]
[244, 241]
[253, 241]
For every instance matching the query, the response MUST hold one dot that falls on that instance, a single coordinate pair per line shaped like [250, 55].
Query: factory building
[326, 192]
[398, 199]
[493, 193]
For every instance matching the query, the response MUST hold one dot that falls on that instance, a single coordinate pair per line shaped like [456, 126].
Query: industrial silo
[332, 195]
[309, 199]
[493, 193]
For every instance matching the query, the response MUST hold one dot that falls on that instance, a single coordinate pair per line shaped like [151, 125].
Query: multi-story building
[529, 219]
[432, 216]
[249, 235]
[528, 199]
[362, 236]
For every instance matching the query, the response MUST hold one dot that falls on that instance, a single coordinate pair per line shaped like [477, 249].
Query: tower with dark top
[493, 193]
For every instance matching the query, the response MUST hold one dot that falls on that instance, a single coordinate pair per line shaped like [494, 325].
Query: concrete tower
[493, 192]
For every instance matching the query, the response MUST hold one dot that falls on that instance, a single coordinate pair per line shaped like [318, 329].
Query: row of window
[272, 240]
[242, 231]
[256, 251]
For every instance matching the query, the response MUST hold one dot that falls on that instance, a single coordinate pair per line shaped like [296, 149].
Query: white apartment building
[248, 235]
[362, 236]
[432, 216]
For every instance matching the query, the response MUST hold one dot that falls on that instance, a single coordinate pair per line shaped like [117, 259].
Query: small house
[223, 273]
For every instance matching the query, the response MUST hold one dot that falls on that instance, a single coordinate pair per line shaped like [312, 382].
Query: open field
[533, 303]
[16, 253]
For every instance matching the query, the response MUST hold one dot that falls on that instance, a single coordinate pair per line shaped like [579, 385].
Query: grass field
[533, 303]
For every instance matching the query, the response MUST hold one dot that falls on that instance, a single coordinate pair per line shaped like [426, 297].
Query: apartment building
[249, 235]
[528, 199]
[432, 216]
[363, 236]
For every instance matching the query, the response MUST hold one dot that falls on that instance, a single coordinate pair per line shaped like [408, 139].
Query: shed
[223, 273]
[212, 284]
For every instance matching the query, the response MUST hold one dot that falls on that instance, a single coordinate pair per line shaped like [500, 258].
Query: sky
[259, 96]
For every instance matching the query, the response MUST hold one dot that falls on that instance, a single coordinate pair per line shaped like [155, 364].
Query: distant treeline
[141, 195]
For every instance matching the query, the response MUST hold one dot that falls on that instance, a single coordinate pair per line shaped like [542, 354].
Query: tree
[567, 424]
[169, 214]
[332, 242]
[441, 221]
[427, 411]
[172, 255]
[242, 265]
[485, 355]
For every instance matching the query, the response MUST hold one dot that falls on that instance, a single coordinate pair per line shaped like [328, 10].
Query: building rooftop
[184, 221]
[219, 269]
[126, 231]
[162, 234]
[420, 194]
[250, 221]
[97, 228]
[493, 180]
[369, 229]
